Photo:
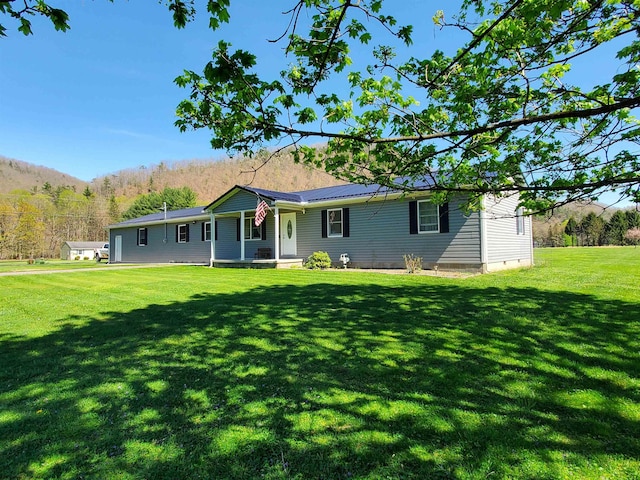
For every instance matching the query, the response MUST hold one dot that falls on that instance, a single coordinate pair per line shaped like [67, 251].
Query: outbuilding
[79, 250]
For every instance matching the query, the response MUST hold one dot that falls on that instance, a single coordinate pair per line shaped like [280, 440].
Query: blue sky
[101, 98]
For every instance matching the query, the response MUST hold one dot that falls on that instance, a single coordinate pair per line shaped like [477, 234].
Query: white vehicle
[102, 253]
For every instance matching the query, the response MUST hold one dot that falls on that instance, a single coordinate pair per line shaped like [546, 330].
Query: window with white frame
[251, 232]
[520, 221]
[207, 232]
[428, 217]
[183, 233]
[334, 222]
[142, 237]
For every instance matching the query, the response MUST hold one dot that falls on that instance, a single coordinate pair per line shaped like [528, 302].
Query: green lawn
[48, 264]
[191, 372]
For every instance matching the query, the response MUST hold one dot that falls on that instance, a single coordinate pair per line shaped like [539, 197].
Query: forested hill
[210, 179]
[40, 208]
[207, 178]
[19, 175]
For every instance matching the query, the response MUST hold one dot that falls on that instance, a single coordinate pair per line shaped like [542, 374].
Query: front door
[117, 251]
[288, 234]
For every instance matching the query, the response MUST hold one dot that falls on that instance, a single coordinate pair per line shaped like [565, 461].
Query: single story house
[373, 226]
[79, 250]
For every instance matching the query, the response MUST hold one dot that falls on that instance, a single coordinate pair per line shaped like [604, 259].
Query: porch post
[242, 235]
[212, 239]
[276, 216]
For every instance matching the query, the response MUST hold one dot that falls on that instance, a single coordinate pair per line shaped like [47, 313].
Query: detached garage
[79, 250]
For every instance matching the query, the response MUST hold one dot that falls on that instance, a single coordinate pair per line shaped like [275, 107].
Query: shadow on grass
[330, 381]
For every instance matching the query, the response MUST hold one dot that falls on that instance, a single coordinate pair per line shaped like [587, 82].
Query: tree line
[36, 223]
[622, 228]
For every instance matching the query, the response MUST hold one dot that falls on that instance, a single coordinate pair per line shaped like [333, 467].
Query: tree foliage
[633, 236]
[616, 228]
[508, 111]
[154, 202]
[505, 113]
[23, 11]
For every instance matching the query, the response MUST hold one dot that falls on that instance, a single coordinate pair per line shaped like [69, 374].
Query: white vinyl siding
[505, 241]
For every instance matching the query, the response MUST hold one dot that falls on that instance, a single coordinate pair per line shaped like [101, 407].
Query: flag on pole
[261, 212]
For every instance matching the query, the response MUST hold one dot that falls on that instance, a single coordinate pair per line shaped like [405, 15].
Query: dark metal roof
[273, 195]
[340, 191]
[345, 192]
[353, 190]
[159, 217]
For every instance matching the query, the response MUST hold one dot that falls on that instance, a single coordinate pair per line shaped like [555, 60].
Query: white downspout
[531, 239]
[484, 253]
[276, 216]
[242, 235]
[213, 240]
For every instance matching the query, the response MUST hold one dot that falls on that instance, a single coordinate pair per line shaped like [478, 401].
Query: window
[142, 237]
[251, 232]
[520, 221]
[428, 217]
[335, 222]
[206, 232]
[182, 233]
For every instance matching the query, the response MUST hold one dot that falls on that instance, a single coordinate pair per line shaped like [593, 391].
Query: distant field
[191, 372]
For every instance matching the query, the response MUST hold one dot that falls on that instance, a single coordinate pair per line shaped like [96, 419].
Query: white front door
[117, 250]
[288, 234]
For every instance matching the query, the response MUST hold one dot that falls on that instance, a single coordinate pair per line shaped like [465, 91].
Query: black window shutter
[263, 232]
[345, 222]
[186, 239]
[216, 231]
[444, 218]
[177, 233]
[238, 229]
[146, 236]
[323, 214]
[202, 231]
[413, 217]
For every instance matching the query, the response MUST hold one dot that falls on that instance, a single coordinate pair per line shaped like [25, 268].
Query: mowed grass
[191, 372]
[7, 266]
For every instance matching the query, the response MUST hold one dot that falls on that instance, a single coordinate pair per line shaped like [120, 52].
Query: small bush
[318, 261]
[77, 257]
[86, 258]
[412, 263]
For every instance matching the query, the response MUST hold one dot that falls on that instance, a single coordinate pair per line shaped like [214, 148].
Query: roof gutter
[162, 221]
[348, 200]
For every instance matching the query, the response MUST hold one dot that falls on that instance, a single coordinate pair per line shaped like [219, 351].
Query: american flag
[261, 212]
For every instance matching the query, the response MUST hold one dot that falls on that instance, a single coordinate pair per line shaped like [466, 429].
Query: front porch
[260, 263]
[238, 242]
